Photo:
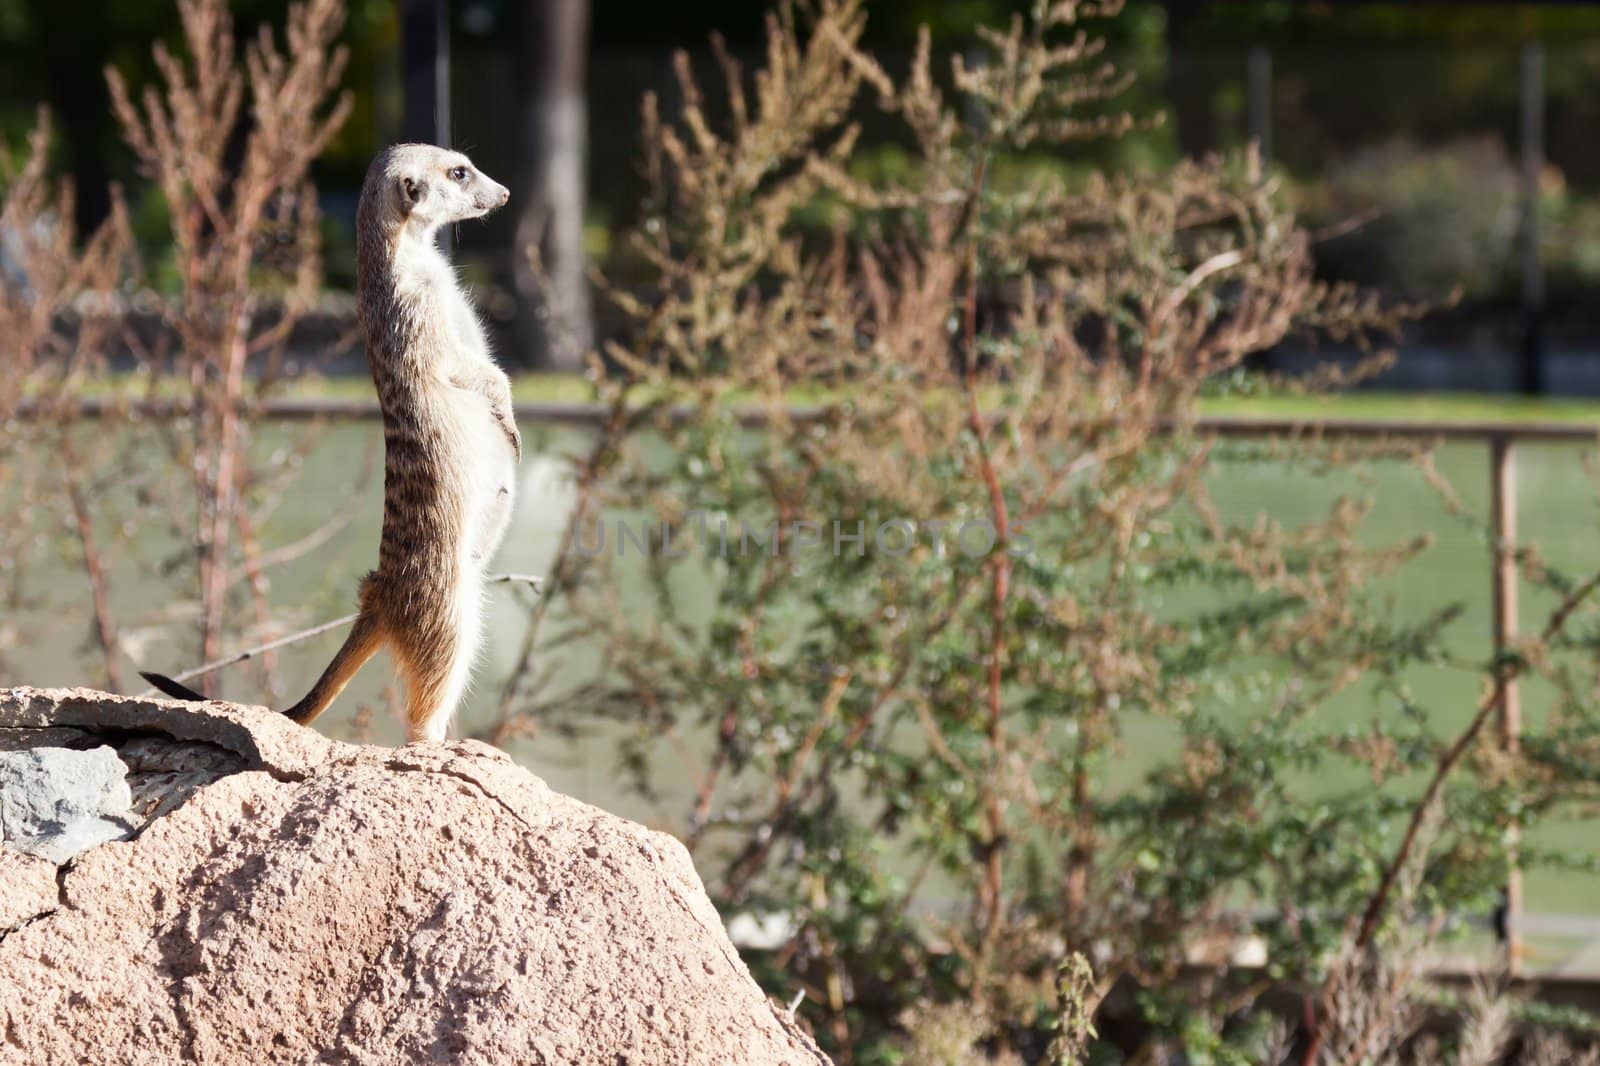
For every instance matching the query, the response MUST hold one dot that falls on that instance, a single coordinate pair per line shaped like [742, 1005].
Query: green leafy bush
[971, 677]
[1420, 220]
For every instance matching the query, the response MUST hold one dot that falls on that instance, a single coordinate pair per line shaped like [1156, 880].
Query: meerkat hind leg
[437, 676]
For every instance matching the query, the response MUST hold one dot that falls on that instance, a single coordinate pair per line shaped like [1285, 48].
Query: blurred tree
[555, 324]
[77, 49]
[58, 57]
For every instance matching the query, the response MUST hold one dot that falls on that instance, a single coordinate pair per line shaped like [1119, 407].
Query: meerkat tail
[436, 655]
[364, 641]
[365, 638]
[175, 689]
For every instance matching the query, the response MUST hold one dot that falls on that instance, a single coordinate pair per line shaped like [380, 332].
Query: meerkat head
[427, 187]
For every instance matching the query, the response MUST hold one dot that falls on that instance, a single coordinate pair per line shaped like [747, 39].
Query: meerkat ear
[411, 193]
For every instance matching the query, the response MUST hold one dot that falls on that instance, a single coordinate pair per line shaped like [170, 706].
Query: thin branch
[105, 626]
[316, 631]
[1379, 901]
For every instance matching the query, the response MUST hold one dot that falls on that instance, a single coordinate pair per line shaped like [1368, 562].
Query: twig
[250, 545]
[1344, 226]
[317, 631]
[1215, 265]
[105, 627]
[516, 579]
[1376, 905]
[992, 894]
[1453, 755]
[262, 649]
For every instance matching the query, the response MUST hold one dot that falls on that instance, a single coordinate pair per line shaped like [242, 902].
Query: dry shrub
[229, 145]
[226, 139]
[913, 751]
[61, 305]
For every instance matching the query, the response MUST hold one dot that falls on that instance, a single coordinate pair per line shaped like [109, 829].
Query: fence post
[1503, 516]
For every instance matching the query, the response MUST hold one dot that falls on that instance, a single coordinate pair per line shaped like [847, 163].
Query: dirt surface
[332, 903]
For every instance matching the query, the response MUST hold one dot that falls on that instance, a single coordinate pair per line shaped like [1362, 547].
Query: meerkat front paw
[509, 424]
[505, 410]
[498, 392]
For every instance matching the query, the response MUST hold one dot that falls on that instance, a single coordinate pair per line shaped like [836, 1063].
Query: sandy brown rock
[265, 740]
[341, 904]
[27, 888]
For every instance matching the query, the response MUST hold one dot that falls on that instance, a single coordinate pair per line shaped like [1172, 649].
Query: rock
[27, 888]
[56, 802]
[261, 738]
[308, 901]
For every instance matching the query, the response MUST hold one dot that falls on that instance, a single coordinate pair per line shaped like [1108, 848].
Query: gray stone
[56, 803]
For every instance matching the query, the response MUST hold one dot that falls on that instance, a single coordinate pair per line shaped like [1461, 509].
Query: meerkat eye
[458, 174]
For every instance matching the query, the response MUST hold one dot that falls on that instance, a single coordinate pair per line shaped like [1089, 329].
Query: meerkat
[450, 440]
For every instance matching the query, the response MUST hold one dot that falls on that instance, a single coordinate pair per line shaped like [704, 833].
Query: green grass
[1378, 406]
[527, 388]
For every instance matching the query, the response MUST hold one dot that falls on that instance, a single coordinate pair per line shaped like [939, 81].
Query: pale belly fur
[485, 468]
